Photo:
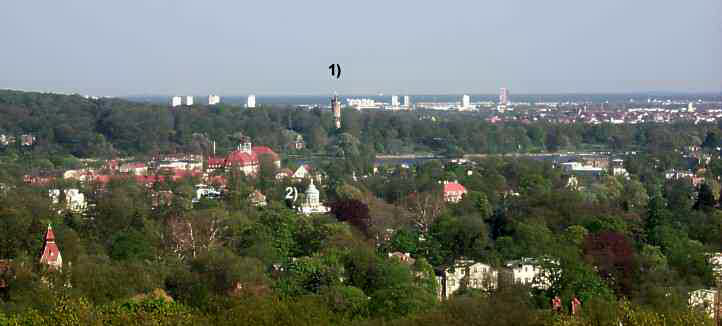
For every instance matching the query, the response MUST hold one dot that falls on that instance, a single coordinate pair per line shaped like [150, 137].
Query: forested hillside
[631, 247]
[106, 127]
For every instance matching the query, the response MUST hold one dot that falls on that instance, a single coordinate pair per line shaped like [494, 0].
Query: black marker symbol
[335, 70]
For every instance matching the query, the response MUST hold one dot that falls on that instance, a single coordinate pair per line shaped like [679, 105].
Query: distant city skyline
[270, 48]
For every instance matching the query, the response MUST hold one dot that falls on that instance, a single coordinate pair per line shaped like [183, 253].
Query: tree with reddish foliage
[352, 211]
[613, 256]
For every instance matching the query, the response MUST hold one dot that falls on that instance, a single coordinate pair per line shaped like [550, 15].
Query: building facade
[503, 96]
[466, 274]
[74, 199]
[176, 101]
[251, 101]
[312, 203]
[246, 158]
[528, 271]
[465, 102]
[453, 192]
[395, 101]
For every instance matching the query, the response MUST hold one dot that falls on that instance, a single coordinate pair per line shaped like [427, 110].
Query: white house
[303, 172]
[572, 182]
[204, 191]
[135, 168]
[403, 257]
[466, 273]
[715, 260]
[579, 169]
[619, 171]
[703, 299]
[676, 174]
[80, 175]
[177, 165]
[74, 199]
[528, 271]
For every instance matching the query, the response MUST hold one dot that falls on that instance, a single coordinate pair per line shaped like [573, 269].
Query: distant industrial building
[362, 103]
[214, 99]
[336, 107]
[176, 101]
[251, 102]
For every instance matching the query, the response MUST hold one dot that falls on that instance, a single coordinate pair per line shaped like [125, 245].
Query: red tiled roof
[35, 180]
[215, 160]
[241, 158]
[102, 178]
[148, 179]
[180, 174]
[51, 253]
[257, 195]
[50, 236]
[452, 187]
[259, 150]
[238, 157]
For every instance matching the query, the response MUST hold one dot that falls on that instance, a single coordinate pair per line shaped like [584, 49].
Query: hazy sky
[233, 47]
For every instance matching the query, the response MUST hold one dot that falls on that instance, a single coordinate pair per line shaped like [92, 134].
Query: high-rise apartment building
[189, 100]
[214, 99]
[395, 101]
[465, 102]
[407, 102]
[251, 102]
[503, 96]
[176, 101]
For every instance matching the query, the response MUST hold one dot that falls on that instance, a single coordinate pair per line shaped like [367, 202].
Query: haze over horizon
[167, 47]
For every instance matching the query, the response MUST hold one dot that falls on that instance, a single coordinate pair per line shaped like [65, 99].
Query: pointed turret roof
[50, 235]
[51, 253]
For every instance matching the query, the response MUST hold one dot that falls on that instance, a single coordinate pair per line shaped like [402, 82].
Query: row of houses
[25, 140]
[480, 276]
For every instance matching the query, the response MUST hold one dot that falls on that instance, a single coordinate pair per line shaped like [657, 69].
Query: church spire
[50, 235]
[51, 253]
